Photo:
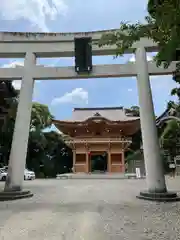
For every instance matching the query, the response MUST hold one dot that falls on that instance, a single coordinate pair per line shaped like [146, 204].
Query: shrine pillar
[109, 162]
[74, 161]
[123, 161]
[153, 162]
[18, 152]
[87, 162]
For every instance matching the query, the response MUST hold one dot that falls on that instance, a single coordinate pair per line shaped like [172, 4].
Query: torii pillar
[156, 186]
[14, 184]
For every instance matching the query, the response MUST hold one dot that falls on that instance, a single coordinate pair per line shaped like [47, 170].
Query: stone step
[14, 195]
[95, 176]
[159, 197]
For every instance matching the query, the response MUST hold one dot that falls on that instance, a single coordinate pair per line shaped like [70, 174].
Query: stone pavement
[89, 210]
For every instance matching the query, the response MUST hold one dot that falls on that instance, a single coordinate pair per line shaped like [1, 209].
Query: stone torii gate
[33, 45]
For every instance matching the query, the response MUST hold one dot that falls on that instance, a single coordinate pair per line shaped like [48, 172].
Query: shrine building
[99, 138]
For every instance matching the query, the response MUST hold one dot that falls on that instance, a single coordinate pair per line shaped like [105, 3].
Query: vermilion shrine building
[94, 131]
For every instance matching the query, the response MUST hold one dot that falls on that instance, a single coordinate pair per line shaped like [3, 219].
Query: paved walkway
[89, 210]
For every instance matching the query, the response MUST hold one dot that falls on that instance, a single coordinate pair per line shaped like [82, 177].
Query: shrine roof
[97, 117]
[109, 113]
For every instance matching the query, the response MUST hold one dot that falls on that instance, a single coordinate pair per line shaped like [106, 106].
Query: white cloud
[149, 58]
[17, 84]
[77, 95]
[15, 64]
[130, 90]
[34, 11]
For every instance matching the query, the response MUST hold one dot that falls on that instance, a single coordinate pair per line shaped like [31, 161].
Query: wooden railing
[99, 140]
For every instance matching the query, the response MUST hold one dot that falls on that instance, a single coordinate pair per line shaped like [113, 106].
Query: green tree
[135, 111]
[170, 138]
[136, 138]
[162, 25]
[174, 108]
[59, 155]
[6, 131]
[47, 153]
[36, 150]
[41, 117]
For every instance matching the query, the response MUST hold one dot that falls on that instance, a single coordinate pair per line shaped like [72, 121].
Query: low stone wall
[178, 170]
[133, 164]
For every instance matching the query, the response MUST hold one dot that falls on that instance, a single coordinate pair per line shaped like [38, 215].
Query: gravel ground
[89, 210]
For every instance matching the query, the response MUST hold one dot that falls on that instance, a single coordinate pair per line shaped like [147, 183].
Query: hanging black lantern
[83, 55]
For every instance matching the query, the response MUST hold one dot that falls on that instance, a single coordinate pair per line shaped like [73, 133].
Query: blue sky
[80, 15]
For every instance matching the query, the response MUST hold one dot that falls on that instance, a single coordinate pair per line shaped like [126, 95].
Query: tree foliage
[161, 25]
[47, 153]
[41, 117]
[134, 110]
[169, 130]
[170, 138]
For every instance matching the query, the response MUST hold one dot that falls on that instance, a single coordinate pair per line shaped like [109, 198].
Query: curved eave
[67, 126]
[81, 123]
[164, 114]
